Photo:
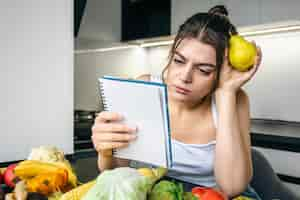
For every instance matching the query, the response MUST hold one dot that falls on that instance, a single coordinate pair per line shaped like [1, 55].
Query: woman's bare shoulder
[144, 77]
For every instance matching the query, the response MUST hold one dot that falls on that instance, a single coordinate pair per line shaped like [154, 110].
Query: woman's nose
[187, 74]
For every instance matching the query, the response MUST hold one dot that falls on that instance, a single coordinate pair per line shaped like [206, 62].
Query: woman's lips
[182, 90]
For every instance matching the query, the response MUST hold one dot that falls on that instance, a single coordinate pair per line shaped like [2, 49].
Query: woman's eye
[178, 61]
[204, 72]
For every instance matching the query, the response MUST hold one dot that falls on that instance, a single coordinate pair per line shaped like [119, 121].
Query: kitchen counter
[276, 135]
[277, 128]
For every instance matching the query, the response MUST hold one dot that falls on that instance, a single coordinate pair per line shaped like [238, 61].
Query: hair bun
[219, 10]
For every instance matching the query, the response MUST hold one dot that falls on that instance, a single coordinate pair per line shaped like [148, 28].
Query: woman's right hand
[109, 133]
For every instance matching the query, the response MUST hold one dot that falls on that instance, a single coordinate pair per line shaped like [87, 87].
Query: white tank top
[193, 163]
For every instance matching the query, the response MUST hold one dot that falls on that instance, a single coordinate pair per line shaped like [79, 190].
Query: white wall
[89, 67]
[36, 76]
[158, 59]
[272, 92]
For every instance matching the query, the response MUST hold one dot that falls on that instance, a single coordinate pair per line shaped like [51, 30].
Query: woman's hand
[232, 79]
[109, 133]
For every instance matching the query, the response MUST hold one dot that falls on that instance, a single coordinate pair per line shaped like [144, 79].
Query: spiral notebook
[143, 104]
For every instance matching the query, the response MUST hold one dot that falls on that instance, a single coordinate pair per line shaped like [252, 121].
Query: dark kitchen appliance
[83, 122]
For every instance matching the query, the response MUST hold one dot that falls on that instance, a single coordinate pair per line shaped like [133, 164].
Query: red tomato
[199, 191]
[9, 175]
[203, 193]
[212, 195]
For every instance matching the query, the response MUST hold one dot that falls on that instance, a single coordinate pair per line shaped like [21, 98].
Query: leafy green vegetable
[120, 184]
[189, 196]
[167, 190]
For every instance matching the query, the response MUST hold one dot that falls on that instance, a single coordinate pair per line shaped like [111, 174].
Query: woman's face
[192, 71]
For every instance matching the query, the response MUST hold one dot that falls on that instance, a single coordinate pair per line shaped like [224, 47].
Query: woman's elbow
[233, 189]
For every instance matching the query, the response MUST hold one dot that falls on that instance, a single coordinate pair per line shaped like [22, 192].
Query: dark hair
[213, 28]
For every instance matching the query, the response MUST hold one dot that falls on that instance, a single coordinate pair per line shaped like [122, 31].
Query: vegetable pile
[46, 174]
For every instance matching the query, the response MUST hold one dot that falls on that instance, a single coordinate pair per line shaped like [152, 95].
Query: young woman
[209, 112]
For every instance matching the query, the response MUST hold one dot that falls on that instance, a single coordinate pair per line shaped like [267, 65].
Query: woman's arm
[107, 161]
[233, 164]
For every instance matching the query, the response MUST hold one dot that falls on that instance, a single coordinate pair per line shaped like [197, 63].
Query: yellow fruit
[155, 173]
[72, 178]
[47, 183]
[53, 155]
[241, 53]
[242, 198]
[160, 172]
[78, 192]
[30, 168]
[146, 172]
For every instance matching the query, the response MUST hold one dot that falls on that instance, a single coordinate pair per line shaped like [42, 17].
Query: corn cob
[79, 192]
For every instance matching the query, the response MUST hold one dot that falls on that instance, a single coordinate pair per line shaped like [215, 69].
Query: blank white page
[140, 104]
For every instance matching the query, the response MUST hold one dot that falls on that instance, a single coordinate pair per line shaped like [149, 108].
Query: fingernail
[134, 128]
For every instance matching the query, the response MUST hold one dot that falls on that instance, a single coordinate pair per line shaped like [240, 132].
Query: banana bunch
[42, 177]
[55, 156]
[30, 168]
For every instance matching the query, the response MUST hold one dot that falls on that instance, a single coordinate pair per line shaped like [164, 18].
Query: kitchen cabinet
[279, 11]
[145, 19]
[181, 10]
[79, 6]
[241, 13]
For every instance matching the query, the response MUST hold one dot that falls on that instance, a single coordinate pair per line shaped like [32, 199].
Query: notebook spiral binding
[104, 102]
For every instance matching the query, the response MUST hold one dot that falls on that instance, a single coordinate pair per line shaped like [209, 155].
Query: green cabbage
[122, 183]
